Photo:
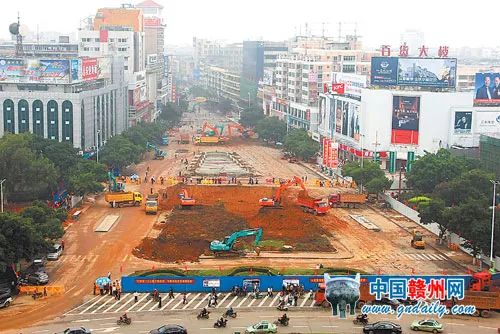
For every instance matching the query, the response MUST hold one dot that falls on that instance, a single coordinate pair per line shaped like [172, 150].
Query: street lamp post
[493, 221]
[248, 100]
[1, 193]
[400, 177]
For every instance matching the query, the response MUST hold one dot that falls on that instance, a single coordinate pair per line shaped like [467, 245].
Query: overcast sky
[444, 22]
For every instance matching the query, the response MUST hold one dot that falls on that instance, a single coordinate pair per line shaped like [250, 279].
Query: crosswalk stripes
[201, 301]
[191, 301]
[224, 299]
[91, 305]
[126, 303]
[176, 305]
[166, 304]
[305, 299]
[117, 302]
[147, 303]
[263, 300]
[138, 302]
[244, 299]
[253, 301]
[232, 301]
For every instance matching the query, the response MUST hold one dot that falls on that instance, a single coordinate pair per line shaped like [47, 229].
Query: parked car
[261, 328]
[55, 253]
[382, 327]
[428, 325]
[37, 278]
[77, 330]
[5, 302]
[169, 329]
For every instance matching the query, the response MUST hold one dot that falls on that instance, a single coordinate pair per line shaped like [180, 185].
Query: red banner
[89, 69]
[152, 22]
[103, 36]
[404, 137]
[338, 88]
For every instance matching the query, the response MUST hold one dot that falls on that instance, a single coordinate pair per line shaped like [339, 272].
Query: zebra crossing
[195, 301]
[412, 256]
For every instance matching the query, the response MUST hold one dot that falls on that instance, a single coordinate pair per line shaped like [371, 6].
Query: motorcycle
[124, 321]
[282, 308]
[220, 324]
[360, 320]
[203, 316]
[37, 295]
[232, 315]
[282, 322]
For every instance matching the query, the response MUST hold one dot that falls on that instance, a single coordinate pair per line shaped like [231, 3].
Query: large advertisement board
[35, 70]
[421, 72]
[352, 83]
[405, 119]
[463, 122]
[103, 68]
[487, 89]
[347, 118]
[487, 122]
[330, 153]
[89, 69]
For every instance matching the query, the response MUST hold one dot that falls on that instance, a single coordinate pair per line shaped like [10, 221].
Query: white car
[55, 253]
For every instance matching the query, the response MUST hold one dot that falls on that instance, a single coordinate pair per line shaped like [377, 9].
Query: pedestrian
[45, 291]
[151, 191]
[159, 301]
[146, 178]
[136, 297]
[62, 244]
[147, 169]
[184, 298]
[171, 294]
[109, 274]
[295, 299]
[95, 288]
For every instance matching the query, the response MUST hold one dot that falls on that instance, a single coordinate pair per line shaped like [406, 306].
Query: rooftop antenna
[15, 29]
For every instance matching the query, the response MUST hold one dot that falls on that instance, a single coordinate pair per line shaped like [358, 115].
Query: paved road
[302, 321]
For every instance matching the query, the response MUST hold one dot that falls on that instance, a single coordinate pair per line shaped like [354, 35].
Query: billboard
[75, 70]
[463, 122]
[330, 153]
[347, 118]
[421, 72]
[487, 122]
[405, 119]
[352, 83]
[89, 69]
[103, 68]
[35, 70]
[487, 89]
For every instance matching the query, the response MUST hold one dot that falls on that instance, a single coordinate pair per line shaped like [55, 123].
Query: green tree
[62, 154]
[300, 144]
[378, 184]
[271, 128]
[251, 116]
[434, 211]
[86, 178]
[472, 184]
[30, 175]
[432, 169]
[370, 171]
[119, 152]
[225, 105]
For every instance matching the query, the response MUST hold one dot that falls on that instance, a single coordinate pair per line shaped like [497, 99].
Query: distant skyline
[378, 22]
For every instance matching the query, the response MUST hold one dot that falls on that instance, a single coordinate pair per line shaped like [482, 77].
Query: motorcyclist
[124, 317]
[362, 317]
[283, 319]
[221, 322]
[204, 312]
[230, 311]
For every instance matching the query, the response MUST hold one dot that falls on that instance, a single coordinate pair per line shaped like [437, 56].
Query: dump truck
[483, 292]
[346, 200]
[312, 205]
[417, 240]
[152, 204]
[118, 199]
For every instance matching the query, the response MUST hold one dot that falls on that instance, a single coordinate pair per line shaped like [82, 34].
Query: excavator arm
[210, 127]
[228, 243]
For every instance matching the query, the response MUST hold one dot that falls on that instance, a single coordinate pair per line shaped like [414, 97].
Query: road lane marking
[138, 302]
[109, 308]
[223, 300]
[485, 327]
[232, 301]
[155, 305]
[201, 301]
[126, 303]
[239, 327]
[275, 299]
[76, 308]
[300, 326]
[312, 303]
[454, 323]
[93, 304]
[208, 328]
[244, 299]
[88, 320]
[253, 301]
[143, 306]
[330, 326]
[263, 301]
[305, 299]
[180, 301]
[191, 301]
[101, 306]
[266, 316]
[41, 331]
[169, 302]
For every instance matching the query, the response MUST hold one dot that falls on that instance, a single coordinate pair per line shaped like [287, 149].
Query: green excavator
[159, 154]
[225, 247]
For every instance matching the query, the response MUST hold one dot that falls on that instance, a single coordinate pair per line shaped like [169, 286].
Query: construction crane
[225, 247]
[113, 185]
[275, 202]
[186, 200]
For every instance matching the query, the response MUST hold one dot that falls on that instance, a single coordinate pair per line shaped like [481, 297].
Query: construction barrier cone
[413, 271]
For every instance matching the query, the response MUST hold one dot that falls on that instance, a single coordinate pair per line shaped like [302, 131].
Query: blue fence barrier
[226, 283]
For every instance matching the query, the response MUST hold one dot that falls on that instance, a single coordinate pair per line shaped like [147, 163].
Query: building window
[52, 117]
[23, 115]
[348, 68]
[67, 118]
[8, 116]
[38, 118]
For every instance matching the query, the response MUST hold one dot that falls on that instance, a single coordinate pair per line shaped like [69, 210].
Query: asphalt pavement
[301, 321]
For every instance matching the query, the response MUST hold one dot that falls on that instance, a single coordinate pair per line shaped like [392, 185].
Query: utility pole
[1, 193]
[495, 183]
[97, 145]
[376, 144]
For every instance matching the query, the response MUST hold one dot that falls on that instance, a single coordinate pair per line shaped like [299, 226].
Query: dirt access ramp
[222, 210]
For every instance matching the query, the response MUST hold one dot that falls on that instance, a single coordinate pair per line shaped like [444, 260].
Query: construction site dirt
[222, 210]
